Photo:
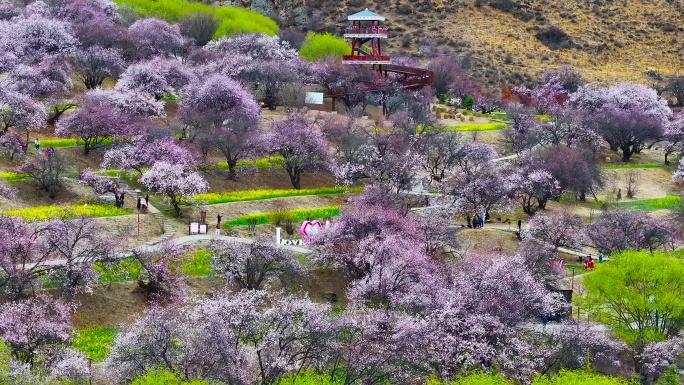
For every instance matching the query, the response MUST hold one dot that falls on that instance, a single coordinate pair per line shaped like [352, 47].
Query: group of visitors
[23, 146]
[143, 207]
[119, 199]
[477, 221]
[366, 30]
[588, 261]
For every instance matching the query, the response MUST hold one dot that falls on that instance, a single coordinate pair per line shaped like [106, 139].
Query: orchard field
[445, 241]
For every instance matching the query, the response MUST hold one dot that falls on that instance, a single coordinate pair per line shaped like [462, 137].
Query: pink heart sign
[309, 229]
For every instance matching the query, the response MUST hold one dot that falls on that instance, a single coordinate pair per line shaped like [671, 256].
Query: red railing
[366, 30]
[365, 58]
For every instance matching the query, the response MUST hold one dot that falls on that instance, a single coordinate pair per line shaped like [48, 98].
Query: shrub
[279, 217]
[503, 5]
[293, 36]
[43, 213]
[554, 38]
[95, 343]
[290, 226]
[404, 9]
[468, 102]
[294, 215]
[406, 41]
[323, 45]
[231, 20]
[47, 170]
[253, 195]
[200, 27]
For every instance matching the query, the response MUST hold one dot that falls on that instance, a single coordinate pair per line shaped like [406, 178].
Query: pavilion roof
[365, 15]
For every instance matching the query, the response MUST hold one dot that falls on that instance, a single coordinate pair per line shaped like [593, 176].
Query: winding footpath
[169, 232]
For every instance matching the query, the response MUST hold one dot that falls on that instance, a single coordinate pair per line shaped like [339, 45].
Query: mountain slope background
[515, 40]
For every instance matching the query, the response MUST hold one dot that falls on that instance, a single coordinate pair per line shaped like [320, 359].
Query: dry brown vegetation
[608, 40]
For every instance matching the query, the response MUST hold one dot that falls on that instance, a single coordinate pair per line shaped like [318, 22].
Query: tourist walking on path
[218, 221]
[147, 199]
[519, 225]
[37, 143]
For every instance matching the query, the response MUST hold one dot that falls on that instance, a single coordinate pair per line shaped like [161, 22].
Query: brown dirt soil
[488, 241]
[111, 306]
[610, 41]
[651, 183]
[646, 156]
[80, 161]
[29, 195]
[276, 178]
[126, 228]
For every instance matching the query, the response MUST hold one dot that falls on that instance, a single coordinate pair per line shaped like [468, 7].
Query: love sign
[292, 242]
[310, 229]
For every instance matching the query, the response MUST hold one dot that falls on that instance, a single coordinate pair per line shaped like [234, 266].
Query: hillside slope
[517, 39]
[609, 40]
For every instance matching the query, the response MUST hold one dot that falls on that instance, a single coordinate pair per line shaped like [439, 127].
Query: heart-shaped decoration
[309, 229]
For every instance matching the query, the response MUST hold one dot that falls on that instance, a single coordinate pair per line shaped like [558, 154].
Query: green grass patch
[128, 269]
[198, 263]
[231, 20]
[67, 142]
[669, 202]
[114, 173]
[13, 176]
[494, 126]
[618, 166]
[253, 195]
[296, 215]
[261, 163]
[95, 343]
[498, 115]
[479, 127]
[42, 213]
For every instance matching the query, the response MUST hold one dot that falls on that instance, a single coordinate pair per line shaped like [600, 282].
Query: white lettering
[292, 242]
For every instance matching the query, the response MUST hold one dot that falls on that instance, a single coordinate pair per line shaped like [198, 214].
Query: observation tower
[366, 33]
